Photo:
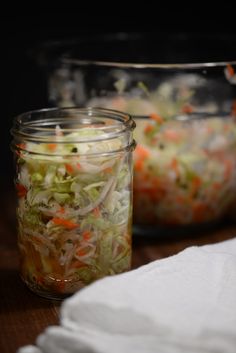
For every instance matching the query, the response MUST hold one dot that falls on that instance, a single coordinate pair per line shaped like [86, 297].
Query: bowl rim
[59, 49]
[132, 65]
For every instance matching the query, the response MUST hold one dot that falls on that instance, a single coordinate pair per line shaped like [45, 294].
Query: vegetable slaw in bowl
[185, 160]
[181, 91]
[185, 170]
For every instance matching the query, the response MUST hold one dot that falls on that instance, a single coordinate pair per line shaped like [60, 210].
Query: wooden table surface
[23, 315]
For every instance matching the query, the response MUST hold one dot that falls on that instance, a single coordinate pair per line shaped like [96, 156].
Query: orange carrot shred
[187, 108]
[69, 168]
[196, 183]
[138, 165]
[108, 170]
[228, 169]
[142, 152]
[233, 111]
[81, 252]
[156, 117]
[217, 186]
[230, 70]
[21, 145]
[86, 235]
[96, 212]
[172, 135]
[21, 190]
[148, 128]
[174, 164]
[52, 146]
[61, 210]
[65, 223]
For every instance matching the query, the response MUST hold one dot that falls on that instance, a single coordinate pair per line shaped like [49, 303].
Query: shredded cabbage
[74, 212]
[184, 172]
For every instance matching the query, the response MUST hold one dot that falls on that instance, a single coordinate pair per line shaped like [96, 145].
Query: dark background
[23, 83]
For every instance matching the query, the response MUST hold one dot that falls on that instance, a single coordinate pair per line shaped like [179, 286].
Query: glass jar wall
[74, 185]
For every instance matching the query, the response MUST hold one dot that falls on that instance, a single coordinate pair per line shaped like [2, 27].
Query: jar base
[52, 295]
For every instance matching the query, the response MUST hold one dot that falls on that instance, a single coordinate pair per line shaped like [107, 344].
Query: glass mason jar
[74, 185]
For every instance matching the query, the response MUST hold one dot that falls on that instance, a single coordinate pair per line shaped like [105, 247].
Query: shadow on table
[159, 234]
[157, 245]
[15, 296]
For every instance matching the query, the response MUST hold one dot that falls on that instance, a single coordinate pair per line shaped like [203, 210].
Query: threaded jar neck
[86, 128]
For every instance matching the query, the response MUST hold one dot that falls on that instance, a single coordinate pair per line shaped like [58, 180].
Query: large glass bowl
[181, 90]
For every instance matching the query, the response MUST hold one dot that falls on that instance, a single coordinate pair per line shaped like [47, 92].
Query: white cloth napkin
[184, 303]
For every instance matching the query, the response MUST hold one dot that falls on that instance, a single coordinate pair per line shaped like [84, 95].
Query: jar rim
[43, 128]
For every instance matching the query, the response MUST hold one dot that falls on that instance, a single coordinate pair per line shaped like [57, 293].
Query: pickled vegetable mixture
[184, 171]
[74, 212]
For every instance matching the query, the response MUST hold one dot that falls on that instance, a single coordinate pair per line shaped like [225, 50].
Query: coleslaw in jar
[74, 186]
